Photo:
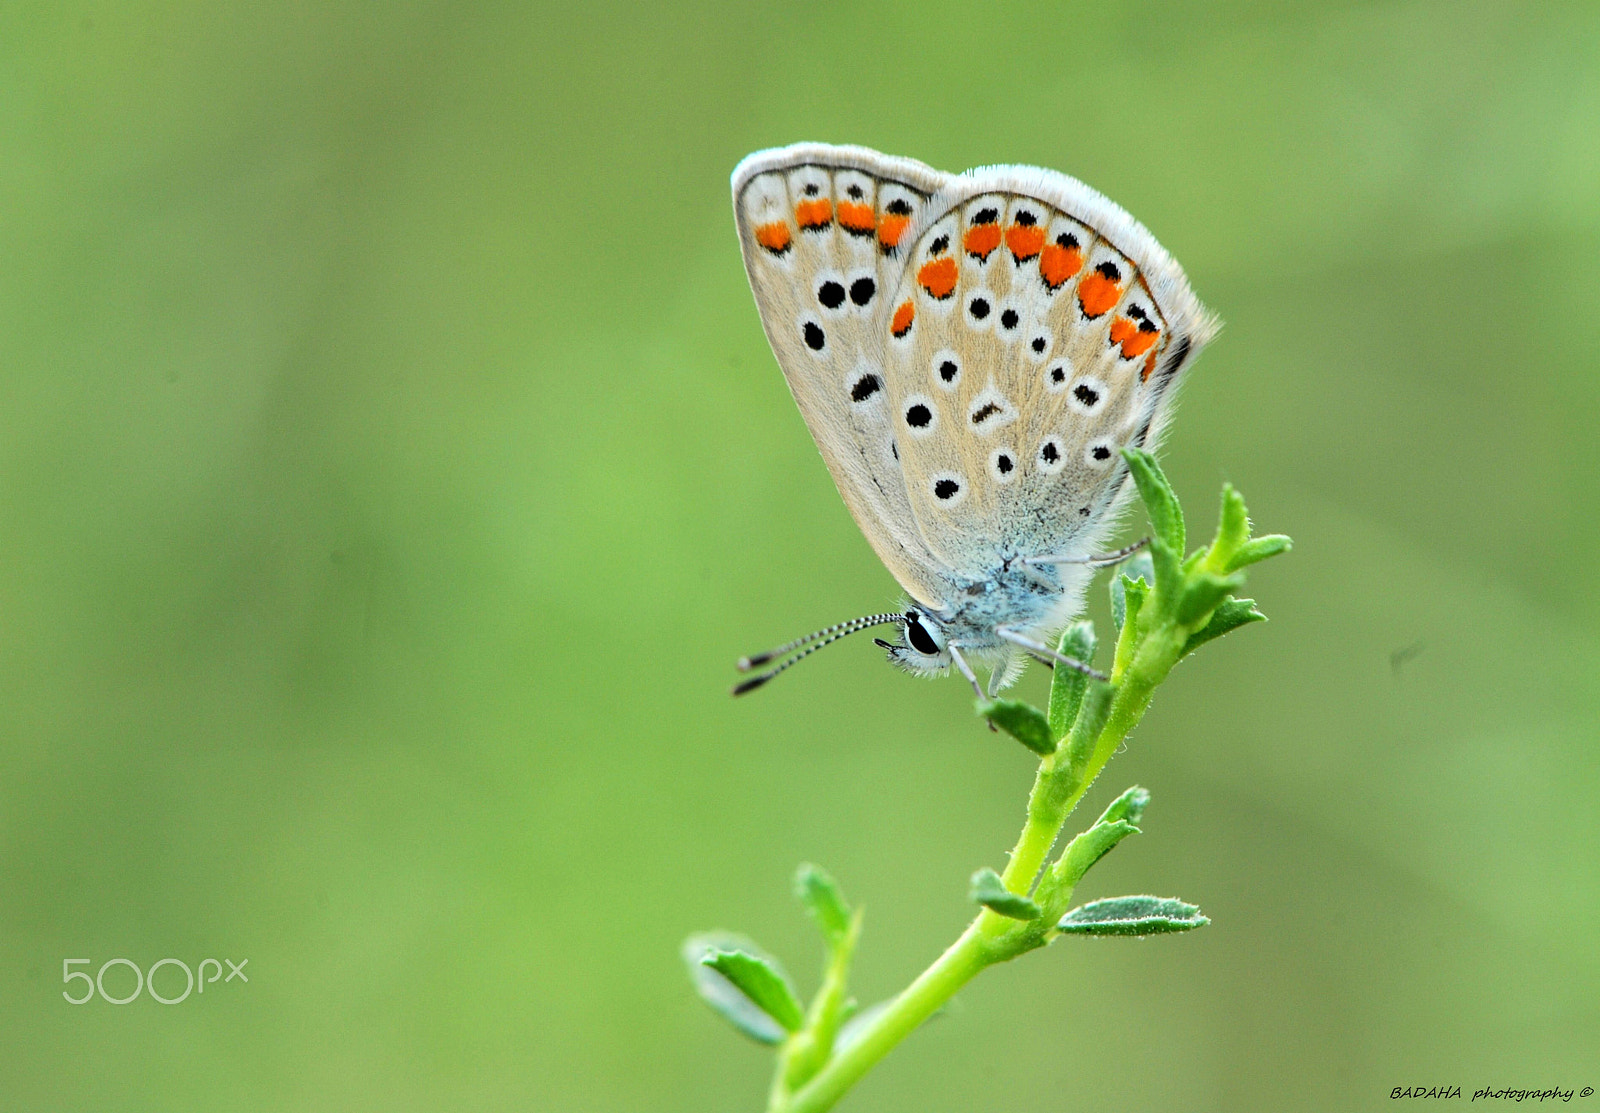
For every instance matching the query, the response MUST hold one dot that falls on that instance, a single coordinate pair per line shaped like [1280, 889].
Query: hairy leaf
[720, 992]
[1137, 568]
[1067, 685]
[1130, 806]
[1132, 916]
[820, 894]
[1233, 526]
[1232, 614]
[1091, 846]
[1091, 721]
[1258, 549]
[1022, 721]
[1203, 593]
[988, 890]
[1166, 517]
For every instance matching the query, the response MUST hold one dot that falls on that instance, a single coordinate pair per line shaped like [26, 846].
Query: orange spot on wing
[1024, 240]
[774, 237]
[814, 214]
[1057, 264]
[938, 277]
[902, 319]
[891, 228]
[1097, 293]
[856, 218]
[1134, 340]
[981, 239]
[1149, 366]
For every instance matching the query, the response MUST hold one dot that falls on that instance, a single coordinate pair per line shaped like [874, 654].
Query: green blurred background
[393, 468]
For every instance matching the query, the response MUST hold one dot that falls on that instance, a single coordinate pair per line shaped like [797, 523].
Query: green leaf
[1166, 516]
[1231, 615]
[820, 894]
[1258, 549]
[1132, 916]
[1091, 846]
[1203, 593]
[988, 890]
[1067, 685]
[1233, 527]
[1168, 575]
[1129, 806]
[760, 981]
[1133, 570]
[1022, 721]
[720, 992]
[1091, 721]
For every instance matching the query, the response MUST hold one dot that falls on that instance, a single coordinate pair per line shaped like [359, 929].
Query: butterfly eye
[919, 637]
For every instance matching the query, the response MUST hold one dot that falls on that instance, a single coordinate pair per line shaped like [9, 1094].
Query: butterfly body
[1034, 601]
[970, 352]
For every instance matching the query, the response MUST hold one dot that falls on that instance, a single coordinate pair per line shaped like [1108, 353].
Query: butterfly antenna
[810, 643]
[839, 628]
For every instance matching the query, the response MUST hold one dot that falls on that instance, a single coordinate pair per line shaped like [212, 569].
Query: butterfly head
[923, 646]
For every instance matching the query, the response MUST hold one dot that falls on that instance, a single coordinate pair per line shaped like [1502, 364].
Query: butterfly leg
[995, 676]
[1099, 561]
[1039, 647]
[966, 671]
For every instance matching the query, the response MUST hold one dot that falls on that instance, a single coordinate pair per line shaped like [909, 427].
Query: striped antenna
[810, 643]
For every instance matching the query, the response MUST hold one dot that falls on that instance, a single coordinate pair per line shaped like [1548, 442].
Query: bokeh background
[392, 467]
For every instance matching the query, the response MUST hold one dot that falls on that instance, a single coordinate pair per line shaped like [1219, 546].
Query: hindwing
[823, 230]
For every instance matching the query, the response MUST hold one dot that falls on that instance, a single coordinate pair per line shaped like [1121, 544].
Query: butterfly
[970, 352]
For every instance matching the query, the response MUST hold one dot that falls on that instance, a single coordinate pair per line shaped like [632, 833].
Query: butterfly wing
[1036, 330]
[822, 232]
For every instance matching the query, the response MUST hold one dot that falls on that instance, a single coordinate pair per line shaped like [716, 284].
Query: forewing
[822, 229]
[1036, 330]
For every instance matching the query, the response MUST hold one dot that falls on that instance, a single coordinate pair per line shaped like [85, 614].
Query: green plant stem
[1159, 621]
[989, 939]
[963, 961]
[1045, 820]
[805, 1051]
